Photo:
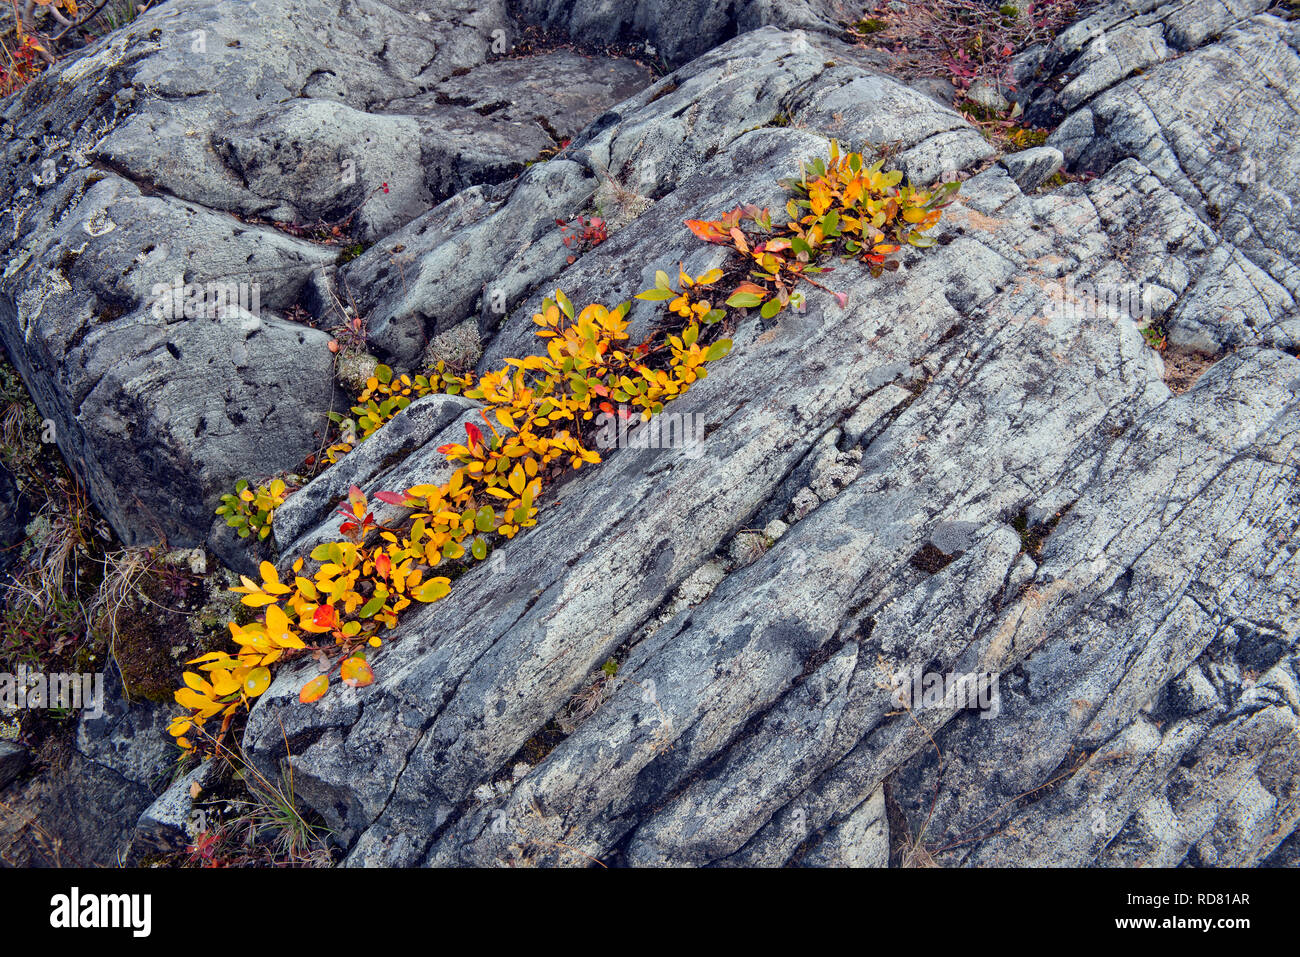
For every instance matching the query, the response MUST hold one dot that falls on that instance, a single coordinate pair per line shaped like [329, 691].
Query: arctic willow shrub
[537, 415]
[251, 511]
[537, 423]
[384, 396]
[838, 208]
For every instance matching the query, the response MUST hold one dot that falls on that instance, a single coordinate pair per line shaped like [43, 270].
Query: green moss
[350, 253]
[169, 617]
[869, 25]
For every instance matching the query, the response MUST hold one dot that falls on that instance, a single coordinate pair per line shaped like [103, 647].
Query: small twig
[82, 22]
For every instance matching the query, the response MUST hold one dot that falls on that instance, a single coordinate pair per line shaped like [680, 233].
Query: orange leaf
[314, 690]
[705, 230]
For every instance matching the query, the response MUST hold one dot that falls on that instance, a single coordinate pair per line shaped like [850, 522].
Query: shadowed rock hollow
[976, 466]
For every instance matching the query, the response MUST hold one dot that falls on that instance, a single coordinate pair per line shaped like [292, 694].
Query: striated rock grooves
[978, 466]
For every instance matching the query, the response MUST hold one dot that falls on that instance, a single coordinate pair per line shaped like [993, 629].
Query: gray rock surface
[1117, 555]
[13, 758]
[1029, 168]
[170, 823]
[678, 32]
[81, 811]
[977, 468]
[163, 154]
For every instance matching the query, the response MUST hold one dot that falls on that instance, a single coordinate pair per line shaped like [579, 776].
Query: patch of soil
[528, 40]
[1184, 366]
[930, 559]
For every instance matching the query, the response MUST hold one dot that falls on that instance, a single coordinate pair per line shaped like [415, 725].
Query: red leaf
[446, 449]
[325, 616]
[475, 436]
[392, 498]
[383, 565]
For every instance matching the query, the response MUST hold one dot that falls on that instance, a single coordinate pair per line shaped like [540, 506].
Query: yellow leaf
[189, 698]
[276, 620]
[356, 673]
[197, 683]
[258, 680]
[223, 682]
[432, 590]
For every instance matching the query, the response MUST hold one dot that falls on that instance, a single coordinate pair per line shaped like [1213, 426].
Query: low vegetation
[538, 422]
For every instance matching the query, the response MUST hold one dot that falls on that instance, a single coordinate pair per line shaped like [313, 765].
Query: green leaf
[745, 300]
[656, 295]
[719, 349]
[478, 548]
[770, 308]
[375, 603]
[383, 374]
[432, 590]
[562, 301]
